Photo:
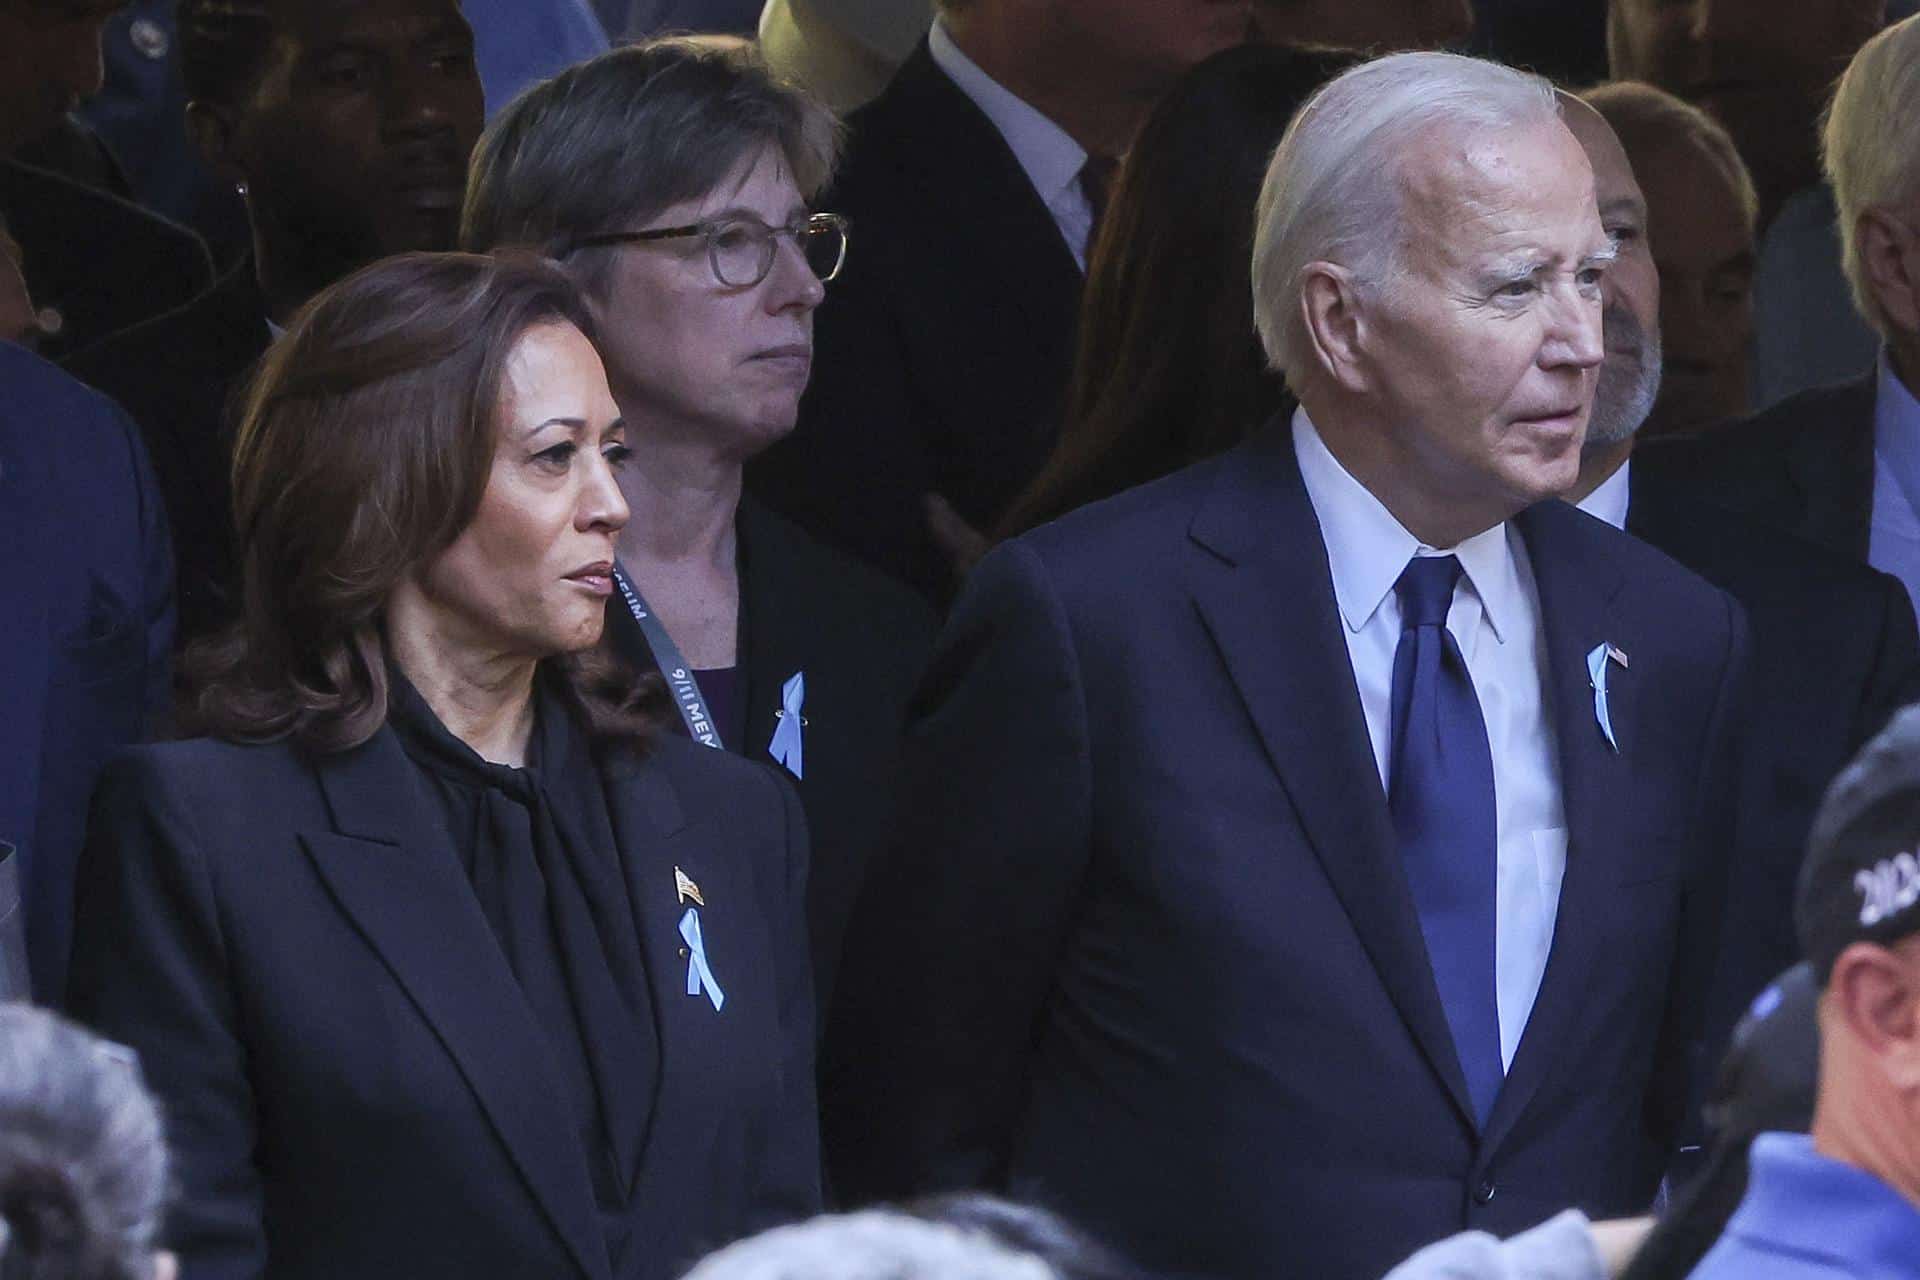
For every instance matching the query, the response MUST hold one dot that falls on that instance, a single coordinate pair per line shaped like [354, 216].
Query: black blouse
[539, 849]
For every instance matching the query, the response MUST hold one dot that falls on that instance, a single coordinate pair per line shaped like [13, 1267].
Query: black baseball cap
[1861, 879]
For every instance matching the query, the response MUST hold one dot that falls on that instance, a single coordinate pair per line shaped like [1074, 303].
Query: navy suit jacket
[942, 351]
[353, 1083]
[1834, 655]
[86, 625]
[1804, 465]
[1143, 949]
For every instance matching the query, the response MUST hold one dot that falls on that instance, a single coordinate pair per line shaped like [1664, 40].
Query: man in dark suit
[1319, 851]
[1834, 647]
[86, 621]
[297, 100]
[942, 353]
[94, 263]
[1840, 465]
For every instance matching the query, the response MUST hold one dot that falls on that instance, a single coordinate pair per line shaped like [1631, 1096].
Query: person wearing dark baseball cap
[1844, 1201]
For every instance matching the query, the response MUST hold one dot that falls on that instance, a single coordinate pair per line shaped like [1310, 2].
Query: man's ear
[212, 128]
[1336, 323]
[1875, 991]
[1886, 245]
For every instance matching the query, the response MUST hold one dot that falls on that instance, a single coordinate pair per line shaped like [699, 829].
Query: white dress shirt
[1609, 501]
[1052, 159]
[1495, 619]
[1893, 538]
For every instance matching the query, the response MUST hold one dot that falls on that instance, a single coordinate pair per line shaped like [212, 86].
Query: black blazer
[99, 263]
[1834, 654]
[862, 641]
[1805, 465]
[86, 624]
[352, 1082]
[1143, 949]
[941, 354]
[176, 375]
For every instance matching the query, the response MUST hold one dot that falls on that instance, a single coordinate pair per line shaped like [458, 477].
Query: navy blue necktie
[1440, 792]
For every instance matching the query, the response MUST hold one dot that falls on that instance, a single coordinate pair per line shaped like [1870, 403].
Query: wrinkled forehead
[1467, 192]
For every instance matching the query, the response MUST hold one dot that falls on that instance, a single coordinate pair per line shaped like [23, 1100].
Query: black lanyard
[686, 690]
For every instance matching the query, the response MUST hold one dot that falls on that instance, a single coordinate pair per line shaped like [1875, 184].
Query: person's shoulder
[164, 346]
[61, 412]
[206, 777]
[1758, 438]
[1152, 518]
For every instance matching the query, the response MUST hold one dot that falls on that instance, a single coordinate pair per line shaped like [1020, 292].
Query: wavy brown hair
[365, 443]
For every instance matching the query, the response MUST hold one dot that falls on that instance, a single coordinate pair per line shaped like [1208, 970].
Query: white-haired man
[1317, 852]
[1840, 465]
[1833, 640]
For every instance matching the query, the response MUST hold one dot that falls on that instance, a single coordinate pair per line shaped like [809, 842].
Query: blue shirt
[1806, 1217]
[1893, 538]
[517, 43]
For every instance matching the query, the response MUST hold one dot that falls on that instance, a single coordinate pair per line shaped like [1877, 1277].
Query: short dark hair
[616, 139]
[365, 445]
[222, 46]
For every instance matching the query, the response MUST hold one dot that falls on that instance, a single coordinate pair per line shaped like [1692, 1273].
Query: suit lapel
[395, 878]
[1263, 554]
[1577, 592]
[648, 824]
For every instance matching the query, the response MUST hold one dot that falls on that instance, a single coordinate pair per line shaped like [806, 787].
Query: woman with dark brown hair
[441, 964]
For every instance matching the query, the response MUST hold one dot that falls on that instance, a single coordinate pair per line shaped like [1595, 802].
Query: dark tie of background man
[1441, 796]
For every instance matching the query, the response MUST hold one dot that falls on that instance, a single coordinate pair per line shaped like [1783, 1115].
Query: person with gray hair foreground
[1844, 1201]
[83, 1167]
[1243, 811]
[877, 1244]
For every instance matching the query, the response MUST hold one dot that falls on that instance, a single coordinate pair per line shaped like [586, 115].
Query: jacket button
[1483, 1193]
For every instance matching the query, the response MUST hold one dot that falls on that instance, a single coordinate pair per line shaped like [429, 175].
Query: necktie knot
[1425, 589]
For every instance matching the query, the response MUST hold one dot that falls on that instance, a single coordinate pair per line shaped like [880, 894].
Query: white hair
[875, 1244]
[1334, 190]
[1869, 146]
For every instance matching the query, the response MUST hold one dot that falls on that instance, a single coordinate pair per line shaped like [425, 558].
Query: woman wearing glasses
[673, 179]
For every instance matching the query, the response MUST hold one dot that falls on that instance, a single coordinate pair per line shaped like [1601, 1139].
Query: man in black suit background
[973, 184]
[1834, 646]
[94, 263]
[1319, 851]
[1840, 465]
[349, 125]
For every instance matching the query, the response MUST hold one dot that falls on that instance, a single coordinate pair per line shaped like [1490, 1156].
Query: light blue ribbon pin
[699, 974]
[1597, 673]
[786, 744]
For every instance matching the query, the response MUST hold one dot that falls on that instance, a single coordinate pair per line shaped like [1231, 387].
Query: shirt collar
[1802, 1201]
[1896, 429]
[1609, 502]
[1367, 548]
[1051, 158]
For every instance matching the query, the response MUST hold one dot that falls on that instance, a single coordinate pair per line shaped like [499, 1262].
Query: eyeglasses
[741, 250]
